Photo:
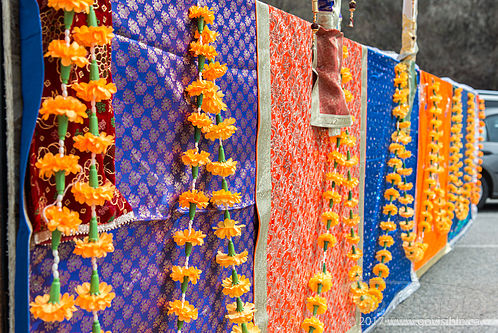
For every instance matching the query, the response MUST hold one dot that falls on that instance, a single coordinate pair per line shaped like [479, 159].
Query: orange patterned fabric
[435, 240]
[298, 167]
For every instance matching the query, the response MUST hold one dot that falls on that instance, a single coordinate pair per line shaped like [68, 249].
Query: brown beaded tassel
[352, 8]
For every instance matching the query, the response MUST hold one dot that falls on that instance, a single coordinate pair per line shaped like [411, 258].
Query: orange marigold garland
[94, 296]
[210, 99]
[60, 220]
[456, 200]
[471, 186]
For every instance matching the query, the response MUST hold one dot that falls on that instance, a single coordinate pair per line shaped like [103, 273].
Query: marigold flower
[404, 124]
[351, 221]
[400, 136]
[193, 197]
[195, 158]
[317, 301]
[90, 36]
[225, 198]
[194, 237]
[326, 237]
[406, 225]
[351, 203]
[325, 279]
[228, 229]
[344, 52]
[388, 226]
[348, 140]
[409, 237]
[222, 169]
[205, 12]
[214, 71]
[330, 216]
[401, 80]
[390, 209]
[383, 254]
[93, 144]
[99, 90]
[355, 273]
[348, 95]
[386, 241]
[213, 101]
[180, 273]
[69, 54]
[406, 212]
[223, 130]
[78, 6]
[400, 68]
[332, 195]
[405, 186]
[377, 294]
[42, 309]
[251, 328]
[71, 107]
[208, 36]
[335, 177]
[367, 303]
[391, 194]
[358, 289]
[183, 310]
[351, 162]
[405, 154]
[85, 194]
[351, 183]
[415, 252]
[355, 255]
[346, 75]
[226, 261]
[381, 270]
[314, 323]
[401, 96]
[337, 157]
[99, 249]
[393, 178]
[352, 239]
[62, 219]
[239, 317]
[395, 163]
[98, 302]
[205, 50]
[396, 147]
[236, 290]
[401, 111]
[377, 283]
[404, 171]
[50, 164]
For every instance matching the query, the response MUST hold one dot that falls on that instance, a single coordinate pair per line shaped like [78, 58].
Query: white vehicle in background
[490, 148]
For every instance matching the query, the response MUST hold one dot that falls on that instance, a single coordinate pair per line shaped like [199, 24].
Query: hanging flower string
[456, 201]
[470, 188]
[209, 99]
[61, 220]
[94, 296]
[194, 158]
[482, 124]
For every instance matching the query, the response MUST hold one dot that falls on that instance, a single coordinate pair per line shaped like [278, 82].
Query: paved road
[463, 285]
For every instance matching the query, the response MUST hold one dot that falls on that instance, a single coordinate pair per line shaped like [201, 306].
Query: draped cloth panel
[437, 241]
[151, 67]
[298, 161]
[380, 125]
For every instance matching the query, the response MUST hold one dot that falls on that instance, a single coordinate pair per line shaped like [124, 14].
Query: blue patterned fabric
[458, 225]
[151, 68]
[380, 125]
[139, 271]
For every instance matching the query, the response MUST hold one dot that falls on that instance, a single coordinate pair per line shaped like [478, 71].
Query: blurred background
[457, 38]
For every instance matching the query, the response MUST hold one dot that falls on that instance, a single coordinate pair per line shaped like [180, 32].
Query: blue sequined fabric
[380, 125]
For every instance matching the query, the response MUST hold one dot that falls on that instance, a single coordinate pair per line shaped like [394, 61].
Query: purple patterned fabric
[151, 68]
[139, 272]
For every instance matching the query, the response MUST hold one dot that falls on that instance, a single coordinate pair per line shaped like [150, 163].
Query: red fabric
[329, 62]
[40, 192]
[298, 166]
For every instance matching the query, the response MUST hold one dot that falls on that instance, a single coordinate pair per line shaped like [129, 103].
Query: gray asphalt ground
[459, 294]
